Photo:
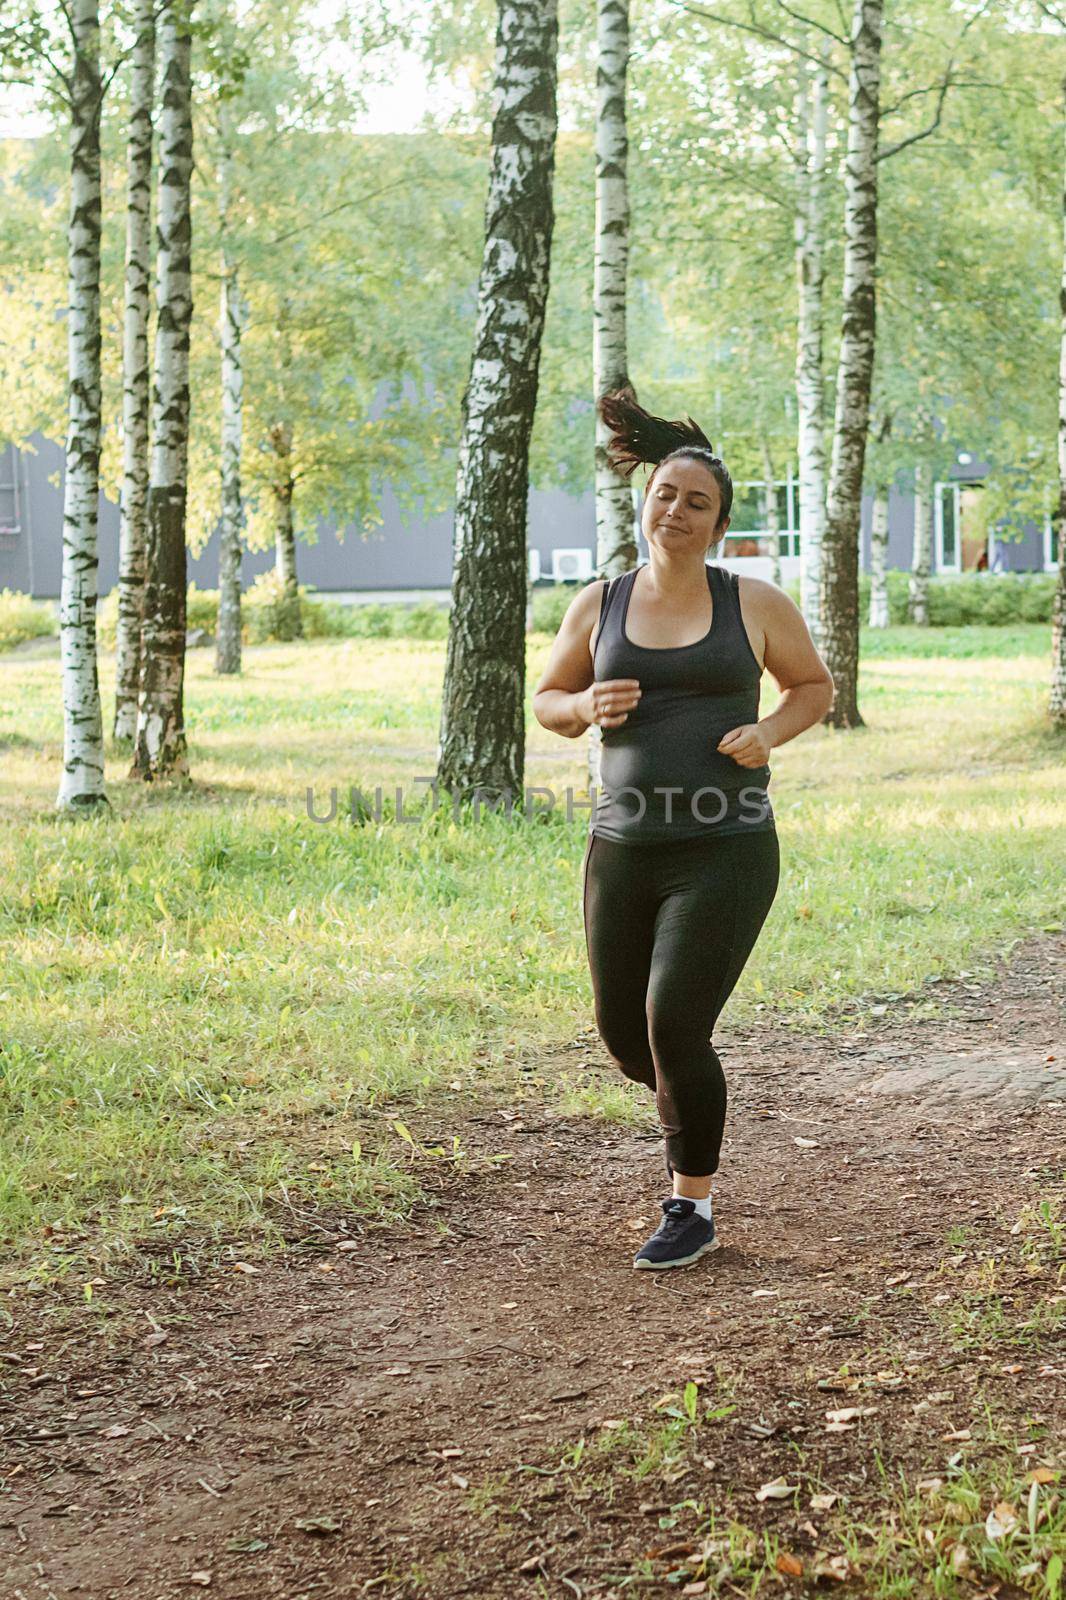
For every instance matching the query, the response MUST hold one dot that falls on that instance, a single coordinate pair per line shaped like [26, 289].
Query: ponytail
[637, 437]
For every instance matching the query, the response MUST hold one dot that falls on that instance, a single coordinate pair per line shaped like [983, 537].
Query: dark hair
[637, 436]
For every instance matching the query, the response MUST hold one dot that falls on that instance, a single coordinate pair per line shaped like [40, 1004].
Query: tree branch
[813, 22]
[942, 92]
[760, 33]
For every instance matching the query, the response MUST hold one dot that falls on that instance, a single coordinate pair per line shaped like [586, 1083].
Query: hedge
[22, 618]
[995, 599]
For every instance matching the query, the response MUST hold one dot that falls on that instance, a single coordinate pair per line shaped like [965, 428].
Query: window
[747, 534]
[962, 538]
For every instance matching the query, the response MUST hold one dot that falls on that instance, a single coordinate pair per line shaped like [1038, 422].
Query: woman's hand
[749, 746]
[608, 704]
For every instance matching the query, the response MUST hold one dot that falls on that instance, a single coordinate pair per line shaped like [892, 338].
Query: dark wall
[412, 555]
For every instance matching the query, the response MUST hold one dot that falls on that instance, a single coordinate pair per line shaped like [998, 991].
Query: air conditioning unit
[534, 565]
[571, 566]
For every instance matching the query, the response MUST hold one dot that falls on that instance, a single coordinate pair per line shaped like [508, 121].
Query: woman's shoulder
[764, 596]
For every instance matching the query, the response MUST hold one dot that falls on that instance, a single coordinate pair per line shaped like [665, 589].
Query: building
[409, 560]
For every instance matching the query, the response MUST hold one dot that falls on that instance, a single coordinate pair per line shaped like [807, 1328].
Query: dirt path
[353, 1418]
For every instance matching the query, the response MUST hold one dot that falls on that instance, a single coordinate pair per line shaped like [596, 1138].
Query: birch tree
[922, 555]
[232, 315]
[161, 747]
[282, 488]
[135, 375]
[82, 783]
[482, 735]
[812, 119]
[839, 593]
[616, 545]
[616, 539]
[771, 516]
[1057, 700]
[879, 613]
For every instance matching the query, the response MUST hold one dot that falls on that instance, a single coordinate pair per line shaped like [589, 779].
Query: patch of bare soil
[390, 1411]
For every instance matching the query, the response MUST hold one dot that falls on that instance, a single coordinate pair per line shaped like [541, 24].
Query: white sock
[703, 1207]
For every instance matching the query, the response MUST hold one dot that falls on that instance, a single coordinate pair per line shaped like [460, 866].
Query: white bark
[616, 533]
[133, 525]
[771, 517]
[812, 113]
[922, 557]
[1057, 700]
[839, 583]
[616, 547]
[82, 783]
[482, 743]
[161, 748]
[283, 488]
[232, 318]
[879, 614]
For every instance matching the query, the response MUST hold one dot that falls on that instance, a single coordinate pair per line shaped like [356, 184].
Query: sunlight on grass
[206, 993]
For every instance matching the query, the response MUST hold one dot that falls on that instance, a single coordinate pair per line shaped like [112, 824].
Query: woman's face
[681, 507]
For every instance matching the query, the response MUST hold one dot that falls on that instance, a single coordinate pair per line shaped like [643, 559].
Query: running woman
[681, 865]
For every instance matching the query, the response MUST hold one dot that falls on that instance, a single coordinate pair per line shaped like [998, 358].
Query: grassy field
[191, 982]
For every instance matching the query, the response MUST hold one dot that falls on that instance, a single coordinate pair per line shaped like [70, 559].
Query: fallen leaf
[699, 1587]
[776, 1489]
[1001, 1520]
[159, 1337]
[806, 1144]
[397, 1372]
[460, 1482]
[201, 1577]
[824, 1502]
[960, 1558]
[320, 1525]
[849, 1413]
[958, 1435]
[533, 1564]
[242, 1266]
[247, 1547]
[838, 1567]
[789, 1564]
[1043, 1475]
[116, 1431]
[449, 1452]
[762, 1294]
[348, 1244]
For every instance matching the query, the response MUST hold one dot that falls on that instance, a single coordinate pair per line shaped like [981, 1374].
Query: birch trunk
[812, 103]
[616, 546]
[879, 614]
[771, 518]
[482, 741]
[161, 748]
[81, 786]
[922, 557]
[290, 620]
[136, 377]
[839, 584]
[1057, 700]
[232, 318]
[616, 535]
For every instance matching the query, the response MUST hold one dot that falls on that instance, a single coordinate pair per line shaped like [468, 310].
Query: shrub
[22, 618]
[996, 599]
[550, 603]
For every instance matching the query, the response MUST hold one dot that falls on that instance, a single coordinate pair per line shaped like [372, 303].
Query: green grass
[208, 998]
[890, 1533]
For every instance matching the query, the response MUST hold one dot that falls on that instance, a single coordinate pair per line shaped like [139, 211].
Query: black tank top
[662, 775]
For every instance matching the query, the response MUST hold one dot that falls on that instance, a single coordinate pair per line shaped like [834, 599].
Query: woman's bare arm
[567, 700]
[789, 654]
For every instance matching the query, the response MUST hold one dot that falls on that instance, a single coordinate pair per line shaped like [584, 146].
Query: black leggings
[668, 929]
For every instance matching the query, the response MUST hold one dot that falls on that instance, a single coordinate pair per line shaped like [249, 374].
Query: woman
[681, 866]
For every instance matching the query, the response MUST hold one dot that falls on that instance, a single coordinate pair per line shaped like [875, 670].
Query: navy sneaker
[682, 1237]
